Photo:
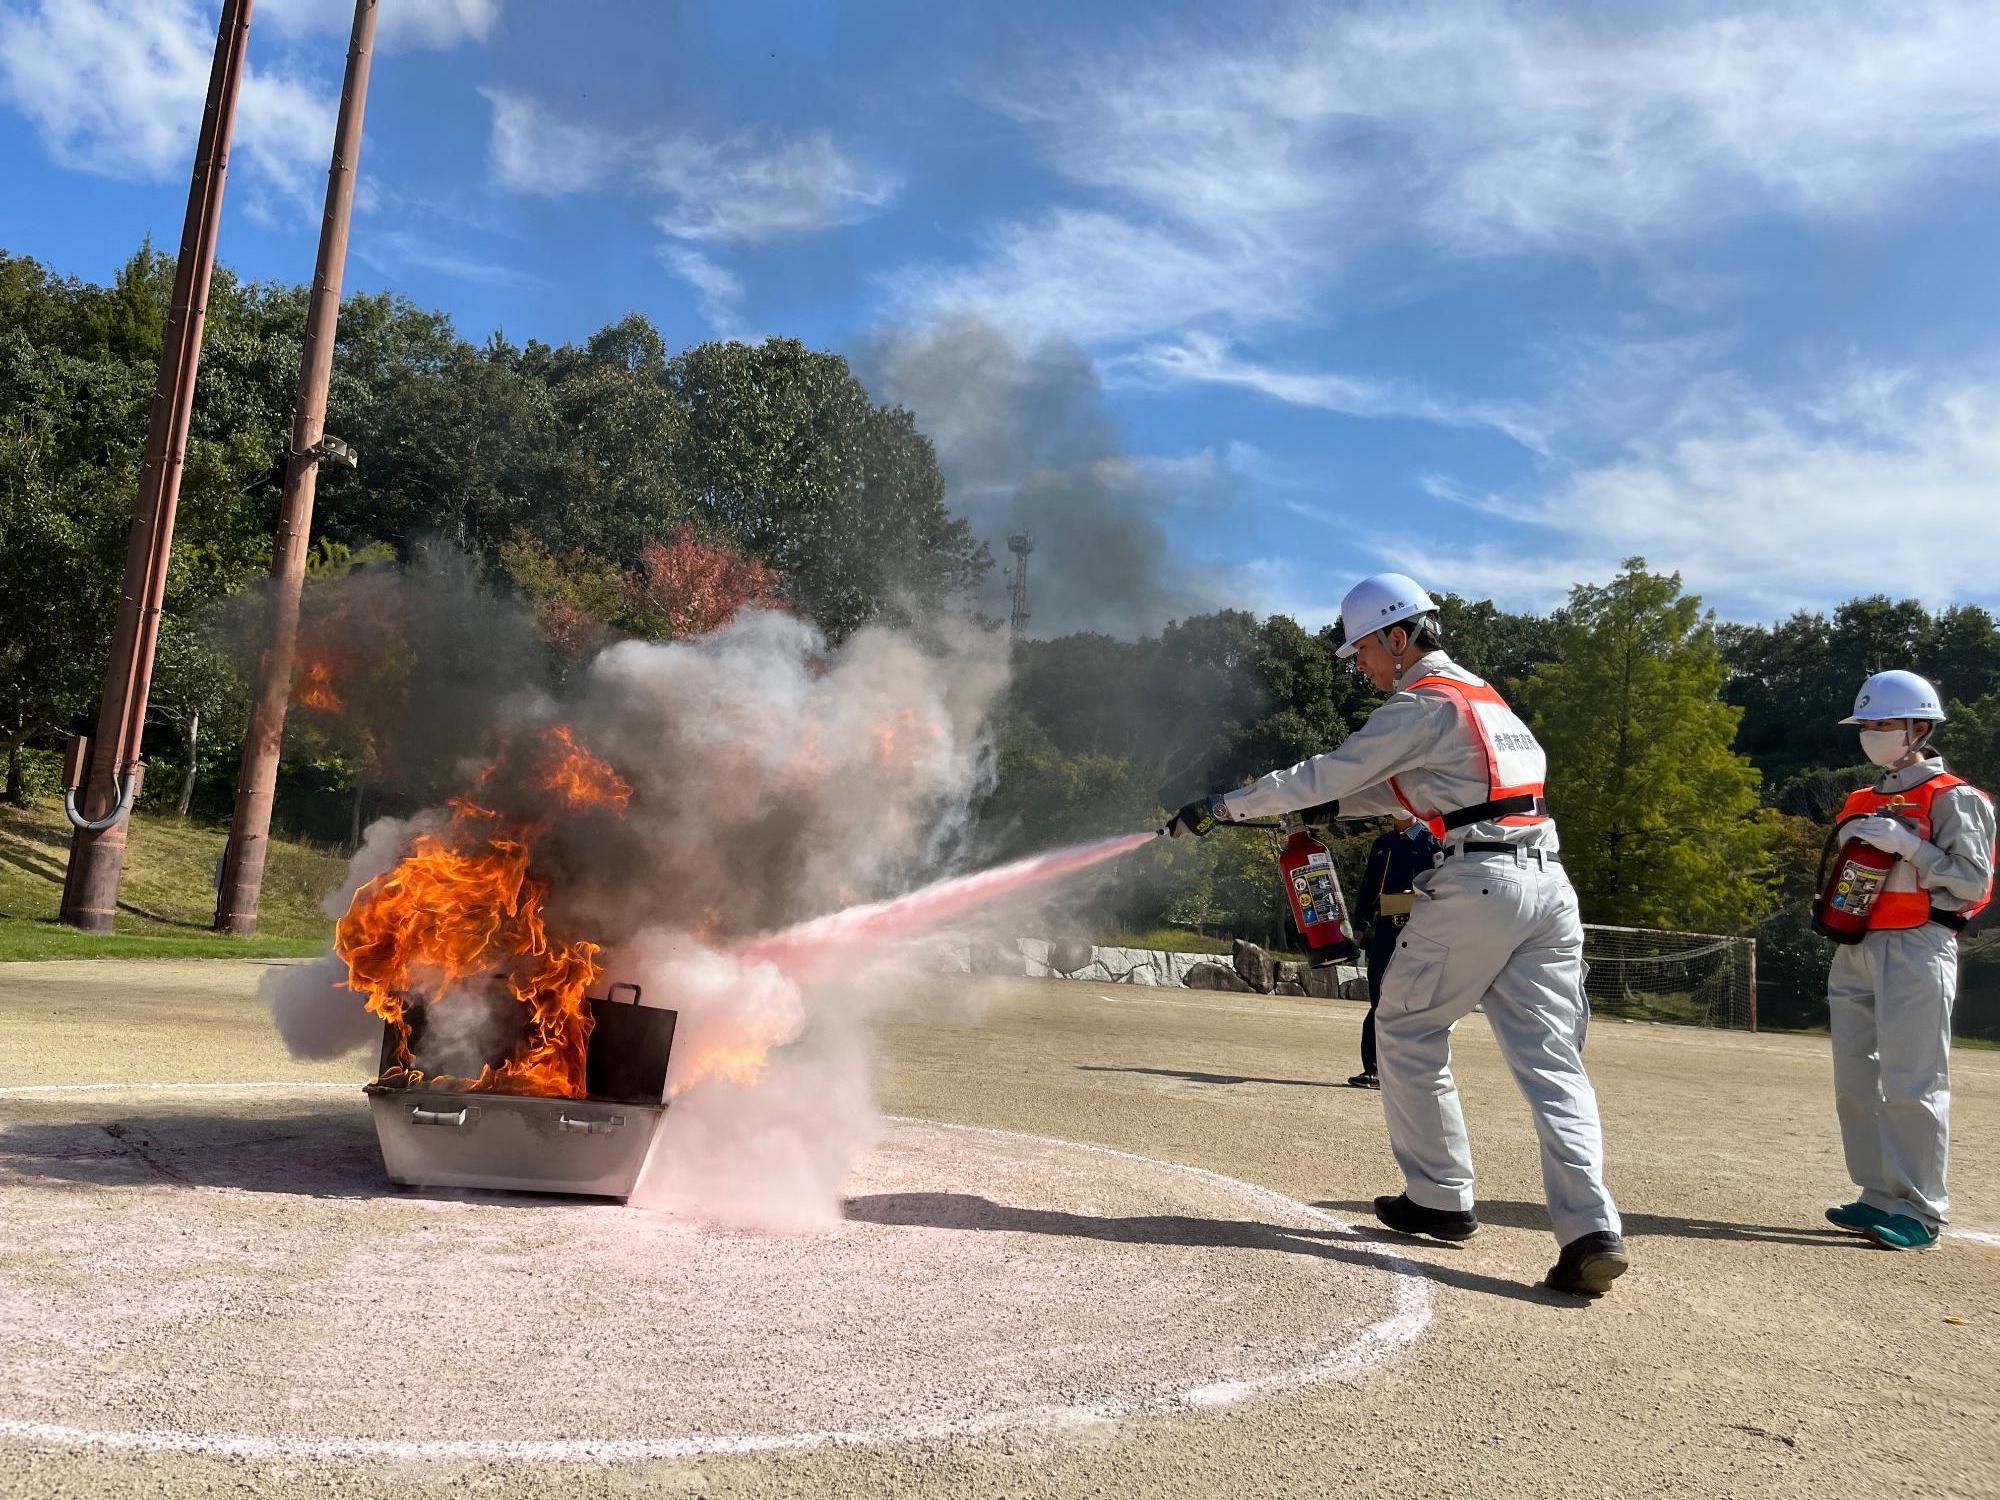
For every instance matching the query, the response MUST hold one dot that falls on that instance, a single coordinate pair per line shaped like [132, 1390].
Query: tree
[1660, 817]
[787, 458]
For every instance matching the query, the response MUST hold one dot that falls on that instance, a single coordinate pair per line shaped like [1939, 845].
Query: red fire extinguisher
[1847, 895]
[1319, 910]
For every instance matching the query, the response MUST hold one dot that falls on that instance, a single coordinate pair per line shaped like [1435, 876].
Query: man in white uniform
[1889, 996]
[1495, 922]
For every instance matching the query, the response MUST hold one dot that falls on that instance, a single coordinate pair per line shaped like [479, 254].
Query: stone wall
[1067, 958]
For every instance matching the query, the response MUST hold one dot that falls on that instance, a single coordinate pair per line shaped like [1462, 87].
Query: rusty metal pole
[256, 782]
[111, 781]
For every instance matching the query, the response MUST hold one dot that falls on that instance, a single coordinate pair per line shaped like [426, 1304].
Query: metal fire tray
[591, 1147]
[432, 1138]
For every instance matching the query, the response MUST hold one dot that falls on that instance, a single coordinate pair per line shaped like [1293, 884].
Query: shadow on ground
[1504, 1213]
[1354, 1246]
[1194, 1077]
[327, 1151]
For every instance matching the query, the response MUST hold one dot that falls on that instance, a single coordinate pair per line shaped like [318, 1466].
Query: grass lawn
[167, 897]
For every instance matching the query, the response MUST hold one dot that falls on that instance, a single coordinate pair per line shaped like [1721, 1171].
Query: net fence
[1687, 978]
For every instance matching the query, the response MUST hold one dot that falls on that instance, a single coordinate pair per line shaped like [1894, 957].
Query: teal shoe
[1901, 1232]
[1857, 1217]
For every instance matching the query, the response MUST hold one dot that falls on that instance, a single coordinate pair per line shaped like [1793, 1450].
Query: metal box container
[592, 1147]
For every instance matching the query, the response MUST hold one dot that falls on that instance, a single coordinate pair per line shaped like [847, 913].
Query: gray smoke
[1027, 443]
[773, 778]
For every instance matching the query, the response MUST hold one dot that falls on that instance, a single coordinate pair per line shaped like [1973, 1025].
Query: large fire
[464, 909]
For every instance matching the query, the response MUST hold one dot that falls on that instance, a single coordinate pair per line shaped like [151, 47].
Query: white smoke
[773, 779]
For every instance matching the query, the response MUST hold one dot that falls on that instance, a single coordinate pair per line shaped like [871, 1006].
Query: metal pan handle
[612, 993]
[590, 1127]
[457, 1119]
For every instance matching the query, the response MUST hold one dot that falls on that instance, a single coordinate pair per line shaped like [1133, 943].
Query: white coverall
[1888, 1000]
[1492, 927]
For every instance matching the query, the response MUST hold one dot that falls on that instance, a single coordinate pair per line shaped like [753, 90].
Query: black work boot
[1405, 1217]
[1588, 1266]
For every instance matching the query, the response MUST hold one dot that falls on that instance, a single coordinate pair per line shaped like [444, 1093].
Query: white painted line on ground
[1373, 1344]
[1976, 1236]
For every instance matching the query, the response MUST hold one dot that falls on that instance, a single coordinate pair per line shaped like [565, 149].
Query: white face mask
[1885, 746]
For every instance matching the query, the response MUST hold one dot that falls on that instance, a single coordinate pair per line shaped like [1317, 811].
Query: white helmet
[1896, 695]
[1378, 602]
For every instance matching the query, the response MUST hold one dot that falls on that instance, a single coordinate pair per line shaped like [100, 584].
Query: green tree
[1660, 817]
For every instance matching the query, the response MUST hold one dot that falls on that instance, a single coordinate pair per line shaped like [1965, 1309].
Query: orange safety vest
[1904, 904]
[1515, 765]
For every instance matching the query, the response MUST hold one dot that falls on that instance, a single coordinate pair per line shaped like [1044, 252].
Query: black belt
[1491, 812]
[1494, 846]
[1956, 921]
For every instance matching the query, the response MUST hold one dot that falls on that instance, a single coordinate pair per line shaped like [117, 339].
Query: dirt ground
[1752, 1351]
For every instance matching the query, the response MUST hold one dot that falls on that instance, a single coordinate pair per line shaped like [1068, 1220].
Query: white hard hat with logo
[1378, 602]
[1896, 695]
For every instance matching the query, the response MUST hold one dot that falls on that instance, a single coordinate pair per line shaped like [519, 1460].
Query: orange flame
[465, 909]
[316, 689]
[578, 777]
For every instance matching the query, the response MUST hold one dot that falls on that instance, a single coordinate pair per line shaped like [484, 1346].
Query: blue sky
[1229, 310]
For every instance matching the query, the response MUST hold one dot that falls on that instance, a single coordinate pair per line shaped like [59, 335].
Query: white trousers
[1888, 1001]
[1490, 928]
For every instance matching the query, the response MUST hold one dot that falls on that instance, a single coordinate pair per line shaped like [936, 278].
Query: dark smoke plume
[1027, 444]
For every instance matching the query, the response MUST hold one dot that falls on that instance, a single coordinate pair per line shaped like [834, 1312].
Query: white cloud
[739, 189]
[532, 151]
[117, 87]
[1199, 358]
[743, 190]
[1880, 483]
[718, 291]
[400, 249]
[399, 23]
[1230, 183]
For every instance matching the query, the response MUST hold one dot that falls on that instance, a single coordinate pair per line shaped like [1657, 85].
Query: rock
[989, 956]
[1288, 973]
[1214, 976]
[1255, 965]
[1067, 955]
[1322, 983]
[1288, 987]
[1354, 989]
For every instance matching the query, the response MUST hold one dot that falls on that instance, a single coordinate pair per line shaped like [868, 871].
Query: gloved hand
[1887, 834]
[1198, 817]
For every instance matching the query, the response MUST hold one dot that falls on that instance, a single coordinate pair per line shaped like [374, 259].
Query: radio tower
[1020, 544]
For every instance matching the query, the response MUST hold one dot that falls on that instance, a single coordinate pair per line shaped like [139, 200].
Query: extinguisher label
[1857, 889]
[1318, 897]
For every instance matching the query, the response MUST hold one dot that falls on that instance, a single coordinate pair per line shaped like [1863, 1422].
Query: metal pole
[97, 847]
[1753, 984]
[250, 829]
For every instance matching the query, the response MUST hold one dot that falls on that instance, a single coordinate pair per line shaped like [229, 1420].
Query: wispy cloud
[1202, 359]
[397, 250]
[718, 290]
[412, 24]
[116, 87]
[741, 189]
[1877, 482]
[1229, 183]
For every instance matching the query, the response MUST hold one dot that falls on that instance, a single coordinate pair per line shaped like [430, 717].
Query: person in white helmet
[1889, 996]
[1495, 921]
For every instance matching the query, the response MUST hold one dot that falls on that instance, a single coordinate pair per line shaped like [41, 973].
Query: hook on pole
[128, 785]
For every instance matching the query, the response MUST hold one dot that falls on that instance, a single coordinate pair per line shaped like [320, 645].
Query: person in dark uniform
[1395, 860]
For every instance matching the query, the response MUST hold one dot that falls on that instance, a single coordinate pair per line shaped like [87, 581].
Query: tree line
[619, 488]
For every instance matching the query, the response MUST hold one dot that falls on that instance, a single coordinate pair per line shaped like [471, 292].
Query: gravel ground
[230, 1259]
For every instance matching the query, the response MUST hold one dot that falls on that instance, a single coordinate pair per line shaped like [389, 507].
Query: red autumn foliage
[688, 587]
